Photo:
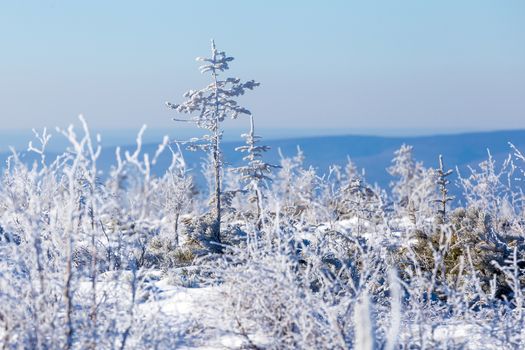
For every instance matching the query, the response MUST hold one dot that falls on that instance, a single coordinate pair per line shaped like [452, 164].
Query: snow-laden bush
[74, 246]
[279, 290]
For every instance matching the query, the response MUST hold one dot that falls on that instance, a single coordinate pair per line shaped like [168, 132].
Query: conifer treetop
[216, 101]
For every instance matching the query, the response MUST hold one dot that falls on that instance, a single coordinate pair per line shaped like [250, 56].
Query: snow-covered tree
[178, 191]
[208, 108]
[414, 189]
[406, 169]
[255, 172]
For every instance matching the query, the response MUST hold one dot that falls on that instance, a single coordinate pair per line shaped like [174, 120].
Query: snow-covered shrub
[281, 289]
[450, 255]
[491, 189]
[200, 233]
[266, 298]
[294, 187]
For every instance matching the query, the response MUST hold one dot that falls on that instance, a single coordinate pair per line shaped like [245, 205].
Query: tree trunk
[258, 196]
[176, 229]
[216, 158]
[217, 166]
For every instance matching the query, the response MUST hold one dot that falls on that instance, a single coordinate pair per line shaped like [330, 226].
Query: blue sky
[339, 65]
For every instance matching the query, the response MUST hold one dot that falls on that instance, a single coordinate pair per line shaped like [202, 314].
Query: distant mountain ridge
[372, 153]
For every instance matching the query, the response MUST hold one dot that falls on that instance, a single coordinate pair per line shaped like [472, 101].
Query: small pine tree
[209, 107]
[442, 182]
[256, 171]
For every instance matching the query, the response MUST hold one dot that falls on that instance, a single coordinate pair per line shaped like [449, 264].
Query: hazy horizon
[19, 138]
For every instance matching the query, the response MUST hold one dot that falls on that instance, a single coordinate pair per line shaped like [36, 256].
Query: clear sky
[345, 65]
